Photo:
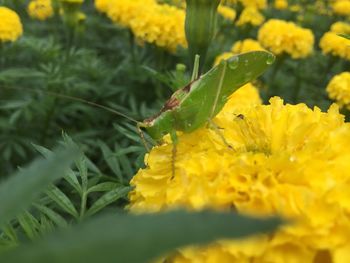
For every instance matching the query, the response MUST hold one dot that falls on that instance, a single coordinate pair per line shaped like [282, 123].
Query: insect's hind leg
[175, 141]
[216, 128]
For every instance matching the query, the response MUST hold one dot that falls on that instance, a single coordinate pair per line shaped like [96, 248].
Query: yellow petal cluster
[40, 9]
[338, 89]
[246, 45]
[150, 22]
[227, 12]
[10, 25]
[335, 45]
[259, 4]
[250, 15]
[340, 28]
[341, 7]
[281, 37]
[239, 47]
[281, 4]
[286, 159]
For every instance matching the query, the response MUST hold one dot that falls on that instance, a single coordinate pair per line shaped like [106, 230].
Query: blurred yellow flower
[250, 15]
[10, 25]
[281, 4]
[102, 5]
[335, 45]
[40, 9]
[227, 12]
[223, 56]
[242, 46]
[259, 4]
[246, 45]
[280, 37]
[338, 89]
[159, 24]
[341, 7]
[287, 159]
[340, 28]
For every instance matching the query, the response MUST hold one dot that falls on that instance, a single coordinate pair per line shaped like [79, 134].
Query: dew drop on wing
[270, 59]
[233, 62]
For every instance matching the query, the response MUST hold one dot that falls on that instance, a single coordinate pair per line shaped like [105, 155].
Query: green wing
[202, 100]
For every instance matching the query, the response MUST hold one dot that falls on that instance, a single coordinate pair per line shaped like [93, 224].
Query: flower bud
[200, 26]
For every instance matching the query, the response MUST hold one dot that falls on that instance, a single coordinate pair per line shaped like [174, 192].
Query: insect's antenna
[58, 95]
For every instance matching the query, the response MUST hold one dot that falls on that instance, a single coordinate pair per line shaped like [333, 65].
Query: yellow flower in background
[246, 45]
[259, 4]
[159, 24]
[295, 8]
[40, 9]
[335, 45]
[250, 15]
[340, 28]
[281, 4]
[341, 7]
[338, 89]
[227, 12]
[223, 56]
[286, 37]
[286, 159]
[242, 46]
[10, 25]
[102, 5]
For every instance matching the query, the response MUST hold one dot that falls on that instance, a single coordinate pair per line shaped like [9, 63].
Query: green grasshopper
[193, 106]
[196, 104]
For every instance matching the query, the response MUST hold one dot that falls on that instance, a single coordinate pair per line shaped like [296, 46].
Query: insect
[196, 104]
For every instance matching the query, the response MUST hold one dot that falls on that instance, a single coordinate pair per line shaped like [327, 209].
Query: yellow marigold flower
[10, 25]
[102, 5]
[338, 89]
[227, 12]
[281, 4]
[341, 7]
[287, 159]
[295, 8]
[40, 9]
[72, 1]
[250, 15]
[162, 25]
[223, 56]
[246, 45]
[286, 37]
[335, 45]
[340, 28]
[259, 4]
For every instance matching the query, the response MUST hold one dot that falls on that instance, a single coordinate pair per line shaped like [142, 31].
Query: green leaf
[137, 238]
[103, 187]
[107, 199]
[21, 189]
[71, 178]
[52, 215]
[62, 200]
[344, 36]
[29, 224]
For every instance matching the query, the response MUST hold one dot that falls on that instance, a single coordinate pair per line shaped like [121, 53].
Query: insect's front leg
[216, 128]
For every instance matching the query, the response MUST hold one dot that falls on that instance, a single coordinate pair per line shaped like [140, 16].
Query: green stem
[83, 205]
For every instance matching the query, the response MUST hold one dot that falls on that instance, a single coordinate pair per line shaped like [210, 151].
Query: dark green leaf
[20, 190]
[137, 238]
